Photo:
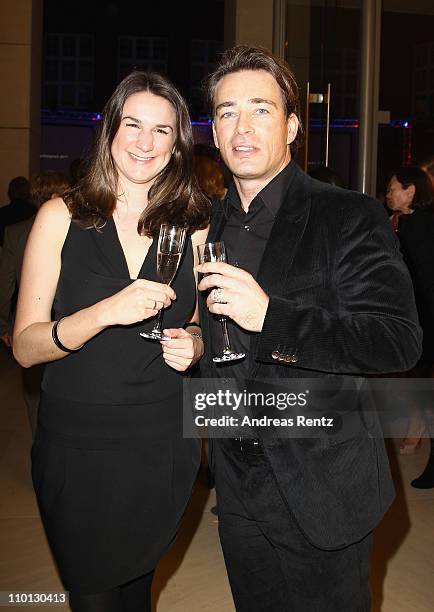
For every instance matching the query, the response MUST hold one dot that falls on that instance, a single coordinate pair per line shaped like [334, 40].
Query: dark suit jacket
[416, 235]
[11, 261]
[16, 211]
[341, 302]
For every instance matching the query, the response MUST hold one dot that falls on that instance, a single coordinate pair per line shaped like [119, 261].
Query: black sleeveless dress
[111, 470]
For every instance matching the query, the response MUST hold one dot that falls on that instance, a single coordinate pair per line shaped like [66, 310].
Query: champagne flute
[216, 251]
[169, 250]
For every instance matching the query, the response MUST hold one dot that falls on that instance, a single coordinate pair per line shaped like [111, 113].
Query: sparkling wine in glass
[216, 251]
[169, 251]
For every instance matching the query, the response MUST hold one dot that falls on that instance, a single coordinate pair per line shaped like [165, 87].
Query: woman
[427, 166]
[48, 185]
[210, 177]
[411, 196]
[111, 470]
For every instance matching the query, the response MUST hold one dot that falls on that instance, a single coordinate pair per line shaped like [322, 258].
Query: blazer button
[275, 354]
[294, 358]
[288, 358]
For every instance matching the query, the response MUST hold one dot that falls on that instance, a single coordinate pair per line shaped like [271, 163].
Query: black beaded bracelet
[58, 343]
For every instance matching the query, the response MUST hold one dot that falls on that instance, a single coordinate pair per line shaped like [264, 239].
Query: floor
[191, 577]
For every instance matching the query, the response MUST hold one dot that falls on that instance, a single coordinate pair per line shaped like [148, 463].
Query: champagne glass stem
[159, 322]
[227, 344]
[215, 251]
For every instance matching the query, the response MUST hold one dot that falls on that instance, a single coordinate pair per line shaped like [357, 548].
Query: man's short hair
[243, 57]
[19, 188]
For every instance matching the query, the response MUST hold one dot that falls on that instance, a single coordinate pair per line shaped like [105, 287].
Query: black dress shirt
[245, 236]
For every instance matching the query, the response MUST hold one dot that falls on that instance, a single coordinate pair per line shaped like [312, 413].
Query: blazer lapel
[218, 220]
[282, 245]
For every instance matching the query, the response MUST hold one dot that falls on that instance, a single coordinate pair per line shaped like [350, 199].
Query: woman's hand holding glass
[183, 349]
[170, 247]
[140, 300]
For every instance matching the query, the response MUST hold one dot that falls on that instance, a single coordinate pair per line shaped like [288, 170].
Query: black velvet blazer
[341, 303]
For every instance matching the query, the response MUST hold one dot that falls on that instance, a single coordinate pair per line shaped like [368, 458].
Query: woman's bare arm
[33, 342]
[199, 237]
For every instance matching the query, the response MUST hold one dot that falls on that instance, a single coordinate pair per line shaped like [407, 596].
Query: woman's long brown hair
[173, 198]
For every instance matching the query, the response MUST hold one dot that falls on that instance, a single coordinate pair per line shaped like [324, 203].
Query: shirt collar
[272, 195]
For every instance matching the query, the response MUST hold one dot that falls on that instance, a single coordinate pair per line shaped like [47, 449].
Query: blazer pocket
[351, 429]
[306, 289]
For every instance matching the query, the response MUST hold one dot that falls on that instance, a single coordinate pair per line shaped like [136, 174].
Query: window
[423, 79]
[204, 57]
[68, 71]
[344, 80]
[148, 53]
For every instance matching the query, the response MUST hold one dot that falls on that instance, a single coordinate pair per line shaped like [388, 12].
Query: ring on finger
[217, 295]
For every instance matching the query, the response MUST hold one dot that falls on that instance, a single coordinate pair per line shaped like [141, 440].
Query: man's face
[250, 127]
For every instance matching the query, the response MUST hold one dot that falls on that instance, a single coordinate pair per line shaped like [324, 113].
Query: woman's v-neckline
[122, 252]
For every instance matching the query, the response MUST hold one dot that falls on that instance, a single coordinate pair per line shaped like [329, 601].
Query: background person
[209, 176]
[20, 206]
[327, 175]
[411, 195]
[427, 166]
[43, 187]
[78, 169]
[211, 182]
[111, 470]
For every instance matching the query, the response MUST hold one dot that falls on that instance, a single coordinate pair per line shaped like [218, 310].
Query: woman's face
[144, 142]
[399, 199]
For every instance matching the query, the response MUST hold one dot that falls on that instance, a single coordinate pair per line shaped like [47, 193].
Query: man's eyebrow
[229, 103]
[262, 101]
[224, 105]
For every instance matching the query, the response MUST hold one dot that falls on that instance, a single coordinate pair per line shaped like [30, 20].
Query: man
[317, 288]
[19, 208]
[43, 186]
